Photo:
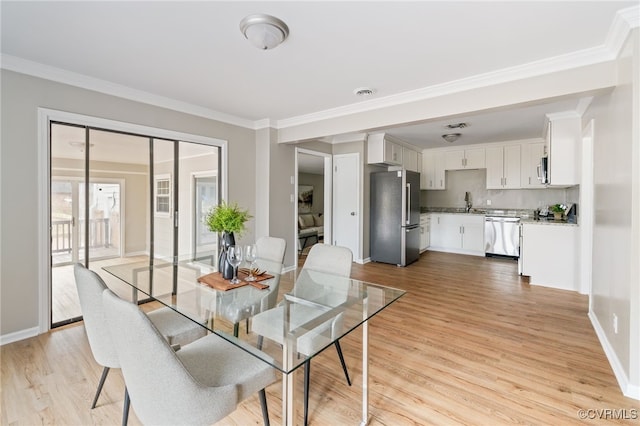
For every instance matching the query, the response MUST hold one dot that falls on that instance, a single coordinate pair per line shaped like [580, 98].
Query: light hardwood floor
[470, 343]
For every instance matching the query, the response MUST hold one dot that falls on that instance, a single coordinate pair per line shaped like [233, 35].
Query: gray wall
[475, 181]
[616, 233]
[21, 96]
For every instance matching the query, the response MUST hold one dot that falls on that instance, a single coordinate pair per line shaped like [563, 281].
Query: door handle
[352, 213]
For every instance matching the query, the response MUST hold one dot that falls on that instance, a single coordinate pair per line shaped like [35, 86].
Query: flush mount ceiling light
[456, 126]
[451, 137]
[264, 31]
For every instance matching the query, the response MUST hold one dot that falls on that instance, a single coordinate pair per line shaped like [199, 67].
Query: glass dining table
[322, 297]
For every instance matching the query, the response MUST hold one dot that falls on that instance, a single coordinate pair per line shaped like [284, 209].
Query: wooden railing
[61, 236]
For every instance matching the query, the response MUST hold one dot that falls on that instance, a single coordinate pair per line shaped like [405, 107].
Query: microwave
[543, 171]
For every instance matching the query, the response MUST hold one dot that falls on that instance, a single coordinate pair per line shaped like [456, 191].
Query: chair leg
[246, 323]
[263, 405]
[307, 366]
[105, 371]
[344, 366]
[260, 340]
[236, 328]
[125, 408]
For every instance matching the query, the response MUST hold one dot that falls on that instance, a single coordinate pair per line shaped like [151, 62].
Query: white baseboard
[628, 389]
[18, 335]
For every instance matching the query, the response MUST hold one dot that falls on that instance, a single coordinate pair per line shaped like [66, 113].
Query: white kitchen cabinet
[433, 175]
[382, 149]
[457, 233]
[424, 231]
[549, 255]
[472, 158]
[532, 153]
[503, 167]
[410, 159]
[563, 137]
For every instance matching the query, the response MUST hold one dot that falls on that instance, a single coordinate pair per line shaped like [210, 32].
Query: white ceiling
[192, 53]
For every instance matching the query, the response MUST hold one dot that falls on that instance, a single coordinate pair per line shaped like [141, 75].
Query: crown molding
[35, 69]
[624, 21]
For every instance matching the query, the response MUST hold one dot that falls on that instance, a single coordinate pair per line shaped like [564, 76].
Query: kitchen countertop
[526, 216]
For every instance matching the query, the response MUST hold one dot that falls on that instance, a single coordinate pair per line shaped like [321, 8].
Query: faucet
[467, 199]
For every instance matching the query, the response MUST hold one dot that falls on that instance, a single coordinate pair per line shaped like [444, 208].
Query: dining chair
[175, 328]
[334, 260]
[199, 384]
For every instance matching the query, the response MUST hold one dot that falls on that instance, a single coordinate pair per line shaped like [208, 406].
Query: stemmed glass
[250, 255]
[234, 257]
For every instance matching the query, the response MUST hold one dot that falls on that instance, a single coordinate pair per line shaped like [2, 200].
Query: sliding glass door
[117, 197]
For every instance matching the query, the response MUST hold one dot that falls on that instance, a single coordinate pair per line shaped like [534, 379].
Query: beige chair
[200, 384]
[323, 258]
[176, 329]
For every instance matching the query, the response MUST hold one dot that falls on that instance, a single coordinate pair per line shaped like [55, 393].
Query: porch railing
[61, 235]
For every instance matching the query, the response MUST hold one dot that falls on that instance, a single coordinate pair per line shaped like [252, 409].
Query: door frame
[328, 194]
[45, 116]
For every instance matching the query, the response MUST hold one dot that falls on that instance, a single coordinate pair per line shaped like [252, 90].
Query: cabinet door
[454, 160]
[511, 167]
[410, 159]
[474, 158]
[473, 237]
[494, 162]
[529, 163]
[438, 170]
[448, 230]
[392, 153]
[426, 176]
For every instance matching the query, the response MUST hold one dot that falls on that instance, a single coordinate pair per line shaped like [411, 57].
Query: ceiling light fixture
[264, 31]
[451, 137]
[456, 126]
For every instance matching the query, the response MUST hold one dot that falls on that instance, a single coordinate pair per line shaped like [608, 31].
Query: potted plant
[226, 219]
[557, 210]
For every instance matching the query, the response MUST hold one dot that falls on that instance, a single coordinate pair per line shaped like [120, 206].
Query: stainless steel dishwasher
[502, 236]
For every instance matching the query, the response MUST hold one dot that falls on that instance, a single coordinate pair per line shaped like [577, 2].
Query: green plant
[558, 208]
[227, 218]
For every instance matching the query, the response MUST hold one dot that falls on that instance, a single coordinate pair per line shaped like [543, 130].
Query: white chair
[176, 329]
[199, 384]
[324, 258]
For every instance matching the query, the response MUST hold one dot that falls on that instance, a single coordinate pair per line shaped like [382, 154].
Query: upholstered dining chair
[323, 258]
[199, 384]
[175, 328]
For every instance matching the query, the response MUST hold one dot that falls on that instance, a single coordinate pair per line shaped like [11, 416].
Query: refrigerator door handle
[407, 211]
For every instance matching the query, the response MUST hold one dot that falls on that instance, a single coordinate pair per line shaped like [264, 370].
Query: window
[163, 195]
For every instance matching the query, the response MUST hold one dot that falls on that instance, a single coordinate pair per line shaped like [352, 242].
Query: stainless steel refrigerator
[394, 234]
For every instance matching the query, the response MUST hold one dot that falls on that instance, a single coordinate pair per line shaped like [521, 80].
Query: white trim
[45, 115]
[629, 390]
[36, 69]
[19, 335]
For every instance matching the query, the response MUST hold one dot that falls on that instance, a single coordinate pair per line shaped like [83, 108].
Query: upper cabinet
[503, 167]
[532, 154]
[563, 138]
[472, 158]
[382, 149]
[410, 159]
[432, 176]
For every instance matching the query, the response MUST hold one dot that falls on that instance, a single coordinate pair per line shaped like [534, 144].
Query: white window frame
[156, 195]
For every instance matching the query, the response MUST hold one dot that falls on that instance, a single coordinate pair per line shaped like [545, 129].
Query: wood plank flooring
[471, 343]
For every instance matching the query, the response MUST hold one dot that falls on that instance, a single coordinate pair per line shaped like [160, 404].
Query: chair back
[270, 258]
[162, 391]
[334, 260]
[90, 287]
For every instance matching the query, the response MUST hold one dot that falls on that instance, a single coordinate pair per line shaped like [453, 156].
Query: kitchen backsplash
[475, 181]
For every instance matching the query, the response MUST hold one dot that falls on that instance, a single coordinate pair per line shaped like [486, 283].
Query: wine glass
[250, 255]
[234, 257]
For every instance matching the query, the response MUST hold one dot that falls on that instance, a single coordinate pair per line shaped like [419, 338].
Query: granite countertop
[526, 216]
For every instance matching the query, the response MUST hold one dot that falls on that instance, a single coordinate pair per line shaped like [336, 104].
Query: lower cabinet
[424, 232]
[548, 255]
[457, 233]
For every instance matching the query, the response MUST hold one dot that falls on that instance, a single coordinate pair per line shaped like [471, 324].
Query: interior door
[346, 202]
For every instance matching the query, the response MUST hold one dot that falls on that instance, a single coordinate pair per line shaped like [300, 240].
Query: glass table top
[292, 320]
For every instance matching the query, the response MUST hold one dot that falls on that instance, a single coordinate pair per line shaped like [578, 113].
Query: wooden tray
[216, 281]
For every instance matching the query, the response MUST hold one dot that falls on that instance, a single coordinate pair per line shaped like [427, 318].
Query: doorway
[89, 222]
